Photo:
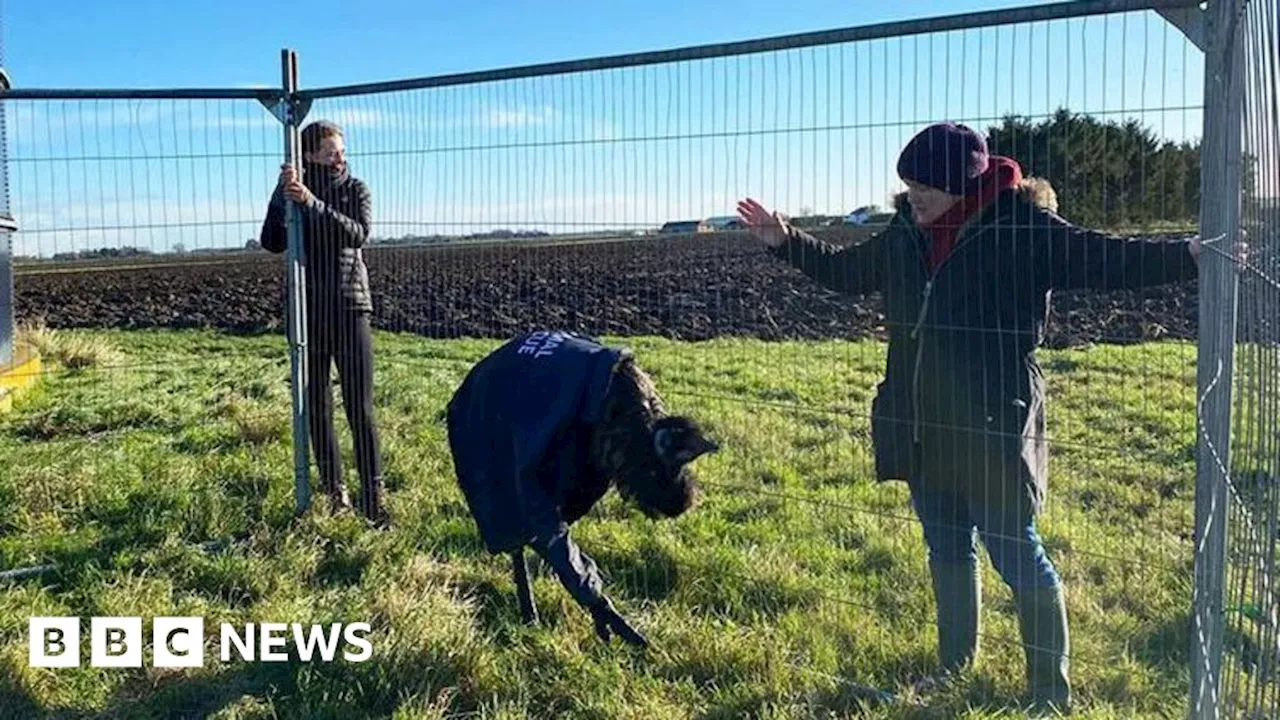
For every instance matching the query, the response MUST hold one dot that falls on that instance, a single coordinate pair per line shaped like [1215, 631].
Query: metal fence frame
[1219, 291]
[1211, 26]
[7, 227]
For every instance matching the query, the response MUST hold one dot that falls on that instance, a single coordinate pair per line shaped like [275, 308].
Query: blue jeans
[953, 523]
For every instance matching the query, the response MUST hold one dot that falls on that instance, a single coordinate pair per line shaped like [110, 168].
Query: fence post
[1219, 222]
[8, 226]
[297, 283]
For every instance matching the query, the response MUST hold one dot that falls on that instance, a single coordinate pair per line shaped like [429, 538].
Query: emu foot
[608, 621]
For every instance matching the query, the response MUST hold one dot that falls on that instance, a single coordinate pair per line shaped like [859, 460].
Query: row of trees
[1106, 173]
[1110, 173]
[103, 253]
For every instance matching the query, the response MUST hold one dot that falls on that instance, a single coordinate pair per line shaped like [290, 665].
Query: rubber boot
[372, 504]
[1042, 621]
[957, 590]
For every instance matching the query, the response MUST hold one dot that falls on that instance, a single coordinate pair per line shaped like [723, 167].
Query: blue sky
[816, 128]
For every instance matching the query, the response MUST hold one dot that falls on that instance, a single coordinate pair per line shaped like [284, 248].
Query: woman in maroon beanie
[965, 268]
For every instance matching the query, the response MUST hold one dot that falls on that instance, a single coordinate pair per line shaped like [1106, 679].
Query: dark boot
[332, 486]
[1042, 621]
[957, 589]
[339, 500]
[372, 505]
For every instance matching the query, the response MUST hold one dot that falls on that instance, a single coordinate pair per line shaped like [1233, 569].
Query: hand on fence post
[293, 187]
[1241, 259]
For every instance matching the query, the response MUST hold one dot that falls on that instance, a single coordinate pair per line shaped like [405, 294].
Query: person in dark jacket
[540, 429]
[337, 214]
[965, 268]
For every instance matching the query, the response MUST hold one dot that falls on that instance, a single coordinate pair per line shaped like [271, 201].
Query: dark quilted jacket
[335, 228]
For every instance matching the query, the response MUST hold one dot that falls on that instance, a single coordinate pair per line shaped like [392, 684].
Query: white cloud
[41, 119]
[603, 131]
[356, 117]
[246, 122]
[519, 117]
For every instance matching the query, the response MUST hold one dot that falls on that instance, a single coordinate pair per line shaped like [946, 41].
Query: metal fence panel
[1243, 654]
[600, 196]
[6, 235]
[1219, 220]
[602, 200]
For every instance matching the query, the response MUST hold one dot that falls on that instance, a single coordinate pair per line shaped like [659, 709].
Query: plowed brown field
[685, 287]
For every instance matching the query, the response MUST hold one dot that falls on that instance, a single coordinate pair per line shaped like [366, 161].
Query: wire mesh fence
[815, 132]
[6, 226]
[604, 200]
[1248, 649]
[129, 210]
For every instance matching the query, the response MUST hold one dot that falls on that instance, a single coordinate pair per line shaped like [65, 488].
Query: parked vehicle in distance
[858, 217]
[724, 223]
[681, 227]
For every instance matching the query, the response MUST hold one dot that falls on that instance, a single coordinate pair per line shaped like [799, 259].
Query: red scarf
[1002, 174]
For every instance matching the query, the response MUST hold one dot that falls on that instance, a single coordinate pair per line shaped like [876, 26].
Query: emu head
[677, 441]
[660, 482]
[645, 451]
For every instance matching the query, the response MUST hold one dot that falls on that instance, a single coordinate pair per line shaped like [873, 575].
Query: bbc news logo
[179, 642]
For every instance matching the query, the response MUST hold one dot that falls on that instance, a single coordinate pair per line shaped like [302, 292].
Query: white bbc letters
[115, 642]
[178, 642]
[54, 642]
[273, 636]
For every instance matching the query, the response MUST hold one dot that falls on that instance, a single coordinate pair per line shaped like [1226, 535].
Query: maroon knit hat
[946, 156]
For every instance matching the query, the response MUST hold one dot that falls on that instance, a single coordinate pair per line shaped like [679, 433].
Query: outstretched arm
[1075, 258]
[854, 270]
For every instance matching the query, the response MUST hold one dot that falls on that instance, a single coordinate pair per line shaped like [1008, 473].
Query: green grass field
[795, 581]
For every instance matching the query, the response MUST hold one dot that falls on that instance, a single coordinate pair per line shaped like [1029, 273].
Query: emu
[540, 429]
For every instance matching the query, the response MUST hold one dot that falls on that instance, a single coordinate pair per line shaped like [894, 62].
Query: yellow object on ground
[18, 375]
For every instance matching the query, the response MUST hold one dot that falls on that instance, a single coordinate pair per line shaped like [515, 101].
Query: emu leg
[520, 571]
